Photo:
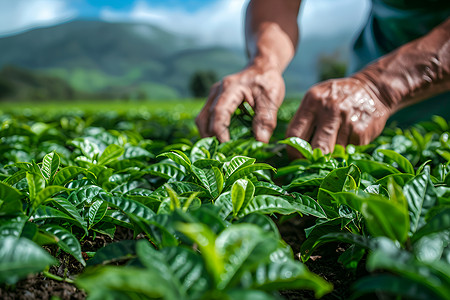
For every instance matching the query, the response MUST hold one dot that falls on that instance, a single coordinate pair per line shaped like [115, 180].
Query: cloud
[221, 21]
[218, 22]
[18, 15]
[331, 17]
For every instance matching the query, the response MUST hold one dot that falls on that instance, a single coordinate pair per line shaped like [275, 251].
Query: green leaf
[158, 230]
[206, 163]
[204, 148]
[307, 205]
[87, 147]
[317, 232]
[235, 164]
[395, 285]
[66, 241]
[178, 157]
[50, 165]
[267, 188]
[430, 248]
[96, 212]
[211, 179]
[111, 153]
[174, 201]
[84, 195]
[15, 178]
[117, 217]
[402, 162]
[288, 274]
[136, 152]
[114, 252]
[375, 168]
[180, 267]
[345, 237]
[46, 212]
[66, 174]
[46, 193]
[9, 200]
[242, 294]
[124, 283]
[36, 183]
[247, 170]
[437, 223]
[243, 247]
[205, 238]
[12, 225]
[421, 196]
[107, 229]
[394, 224]
[388, 256]
[128, 206]
[65, 206]
[242, 193]
[301, 146]
[20, 257]
[225, 204]
[400, 178]
[164, 170]
[336, 181]
[351, 257]
[267, 204]
[441, 122]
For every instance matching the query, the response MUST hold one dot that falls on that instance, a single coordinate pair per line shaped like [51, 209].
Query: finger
[265, 119]
[225, 104]
[358, 138]
[326, 133]
[302, 124]
[343, 137]
[202, 119]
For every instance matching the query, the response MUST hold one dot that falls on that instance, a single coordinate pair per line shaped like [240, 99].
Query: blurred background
[142, 50]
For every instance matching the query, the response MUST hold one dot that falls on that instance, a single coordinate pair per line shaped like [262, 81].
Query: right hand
[263, 90]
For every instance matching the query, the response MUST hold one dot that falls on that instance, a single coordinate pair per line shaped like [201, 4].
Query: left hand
[339, 111]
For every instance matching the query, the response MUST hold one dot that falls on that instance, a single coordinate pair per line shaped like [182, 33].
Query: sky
[210, 21]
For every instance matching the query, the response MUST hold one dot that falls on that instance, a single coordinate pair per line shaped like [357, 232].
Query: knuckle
[266, 121]
[227, 82]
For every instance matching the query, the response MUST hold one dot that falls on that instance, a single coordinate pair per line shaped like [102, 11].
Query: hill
[129, 60]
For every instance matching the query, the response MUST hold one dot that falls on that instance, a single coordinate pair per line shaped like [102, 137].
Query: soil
[323, 263]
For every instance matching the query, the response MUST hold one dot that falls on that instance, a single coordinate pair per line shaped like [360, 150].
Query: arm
[271, 37]
[414, 72]
[354, 110]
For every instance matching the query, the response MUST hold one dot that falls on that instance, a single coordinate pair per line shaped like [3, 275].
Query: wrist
[412, 73]
[265, 63]
[373, 80]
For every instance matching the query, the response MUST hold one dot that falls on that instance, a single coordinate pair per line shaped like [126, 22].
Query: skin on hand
[262, 90]
[355, 110]
[271, 32]
[338, 111]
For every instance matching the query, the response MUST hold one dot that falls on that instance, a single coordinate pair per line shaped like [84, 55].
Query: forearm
[414, 72]
[271, 32]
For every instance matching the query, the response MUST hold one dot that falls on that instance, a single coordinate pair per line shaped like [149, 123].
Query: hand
[338, 111]
[263, 90]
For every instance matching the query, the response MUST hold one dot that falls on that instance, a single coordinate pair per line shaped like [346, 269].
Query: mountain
[126, 59]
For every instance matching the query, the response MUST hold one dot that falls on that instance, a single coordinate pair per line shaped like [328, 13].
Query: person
[412, 38]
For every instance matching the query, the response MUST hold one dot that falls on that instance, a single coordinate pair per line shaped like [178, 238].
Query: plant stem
[56, 277]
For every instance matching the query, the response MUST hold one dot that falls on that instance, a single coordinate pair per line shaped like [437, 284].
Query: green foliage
[204, 210]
